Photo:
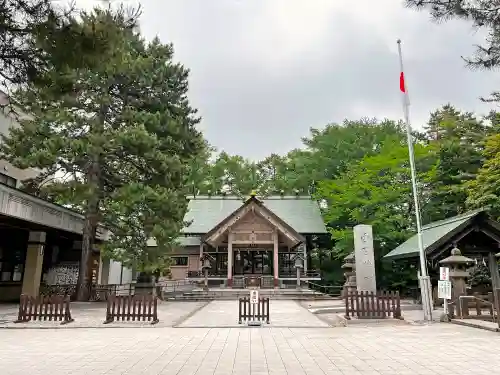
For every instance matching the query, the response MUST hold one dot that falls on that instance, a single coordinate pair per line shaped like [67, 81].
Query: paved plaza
[204, 338]
[284, 313]
[443, 349]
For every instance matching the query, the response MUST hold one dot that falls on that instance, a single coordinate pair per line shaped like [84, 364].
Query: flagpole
[425, 284]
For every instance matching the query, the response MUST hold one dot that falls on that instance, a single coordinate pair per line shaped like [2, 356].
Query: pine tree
[122, 133]
[482, 13]
[484, 191]
[457, 139]
[36, 35]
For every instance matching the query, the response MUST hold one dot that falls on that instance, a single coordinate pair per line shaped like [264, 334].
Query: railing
[303, 274]
[201, 274]
[330, 290]
[45, 308]
[473, 307]
[370, 305]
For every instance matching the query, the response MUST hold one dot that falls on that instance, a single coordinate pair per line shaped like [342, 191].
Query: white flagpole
[425, 284]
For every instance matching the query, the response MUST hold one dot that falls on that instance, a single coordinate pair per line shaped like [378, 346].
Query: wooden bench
[51, 308]
[132, 308]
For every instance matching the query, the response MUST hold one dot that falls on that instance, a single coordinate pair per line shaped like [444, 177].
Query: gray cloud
[264, 71]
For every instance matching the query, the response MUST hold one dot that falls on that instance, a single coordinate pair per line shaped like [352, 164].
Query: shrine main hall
[257, 238]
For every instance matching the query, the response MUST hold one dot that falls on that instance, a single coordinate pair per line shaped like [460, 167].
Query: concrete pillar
[104, 267]
[33, 263]
[230, 259]
[275, 258]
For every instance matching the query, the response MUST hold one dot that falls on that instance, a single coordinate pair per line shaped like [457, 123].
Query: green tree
[234, 175]
[377, 191]
[123, 133]
[457, 139]
[484, 191]
[327, 152]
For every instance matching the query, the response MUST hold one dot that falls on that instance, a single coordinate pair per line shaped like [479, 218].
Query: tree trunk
[89, 233]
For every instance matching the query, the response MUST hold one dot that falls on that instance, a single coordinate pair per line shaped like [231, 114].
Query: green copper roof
[431, 234]
[301, 213]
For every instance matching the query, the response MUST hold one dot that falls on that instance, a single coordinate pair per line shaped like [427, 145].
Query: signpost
[444, 286]
[444, 273]
[254, 302]
[254, 296]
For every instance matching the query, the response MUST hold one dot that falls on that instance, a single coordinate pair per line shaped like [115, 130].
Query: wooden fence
[52, 308]
[370, 305]
[132, 308]
[257, 312]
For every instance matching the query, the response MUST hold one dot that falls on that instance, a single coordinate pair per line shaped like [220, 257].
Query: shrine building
[256, 238]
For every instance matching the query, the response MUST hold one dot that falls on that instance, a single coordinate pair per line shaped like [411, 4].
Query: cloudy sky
[264, 71]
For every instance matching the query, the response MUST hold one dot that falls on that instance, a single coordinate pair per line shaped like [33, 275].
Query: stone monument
[364, 259]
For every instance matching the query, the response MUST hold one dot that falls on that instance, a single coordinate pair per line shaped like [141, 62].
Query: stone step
[233, 294]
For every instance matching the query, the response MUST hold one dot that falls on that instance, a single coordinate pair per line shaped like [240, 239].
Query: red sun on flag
[402, 86]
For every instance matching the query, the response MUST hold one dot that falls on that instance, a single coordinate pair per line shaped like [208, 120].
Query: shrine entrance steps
[234, 294]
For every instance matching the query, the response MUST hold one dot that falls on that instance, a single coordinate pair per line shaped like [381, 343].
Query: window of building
[11, 265]
[286, 263]
[180, 261]
[7, 180]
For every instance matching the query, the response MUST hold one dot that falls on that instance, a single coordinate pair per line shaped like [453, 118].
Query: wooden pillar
[33, 263]
[306, 258]
[200, 263]
[230, 259]
[495, 275]
[275, 258]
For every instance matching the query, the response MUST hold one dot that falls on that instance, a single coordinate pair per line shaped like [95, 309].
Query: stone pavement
[444, 349]
[92, 315]
[283, 313]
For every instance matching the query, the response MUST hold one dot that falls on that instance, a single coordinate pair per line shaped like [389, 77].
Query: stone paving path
[443, 349]
[283, 313]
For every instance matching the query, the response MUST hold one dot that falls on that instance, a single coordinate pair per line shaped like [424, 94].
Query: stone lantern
[298, 259]
[457, 264]
[349, 268]
[206, 261]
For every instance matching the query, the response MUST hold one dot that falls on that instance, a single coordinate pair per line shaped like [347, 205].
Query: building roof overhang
[440, 236]
[20, 205]
[253, 204]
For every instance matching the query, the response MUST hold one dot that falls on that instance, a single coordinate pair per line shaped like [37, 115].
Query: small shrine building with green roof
[256, 238]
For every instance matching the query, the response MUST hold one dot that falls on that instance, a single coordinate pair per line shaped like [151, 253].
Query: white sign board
[444, 273]
[364, 258]
[254, 297]
[444, 289]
